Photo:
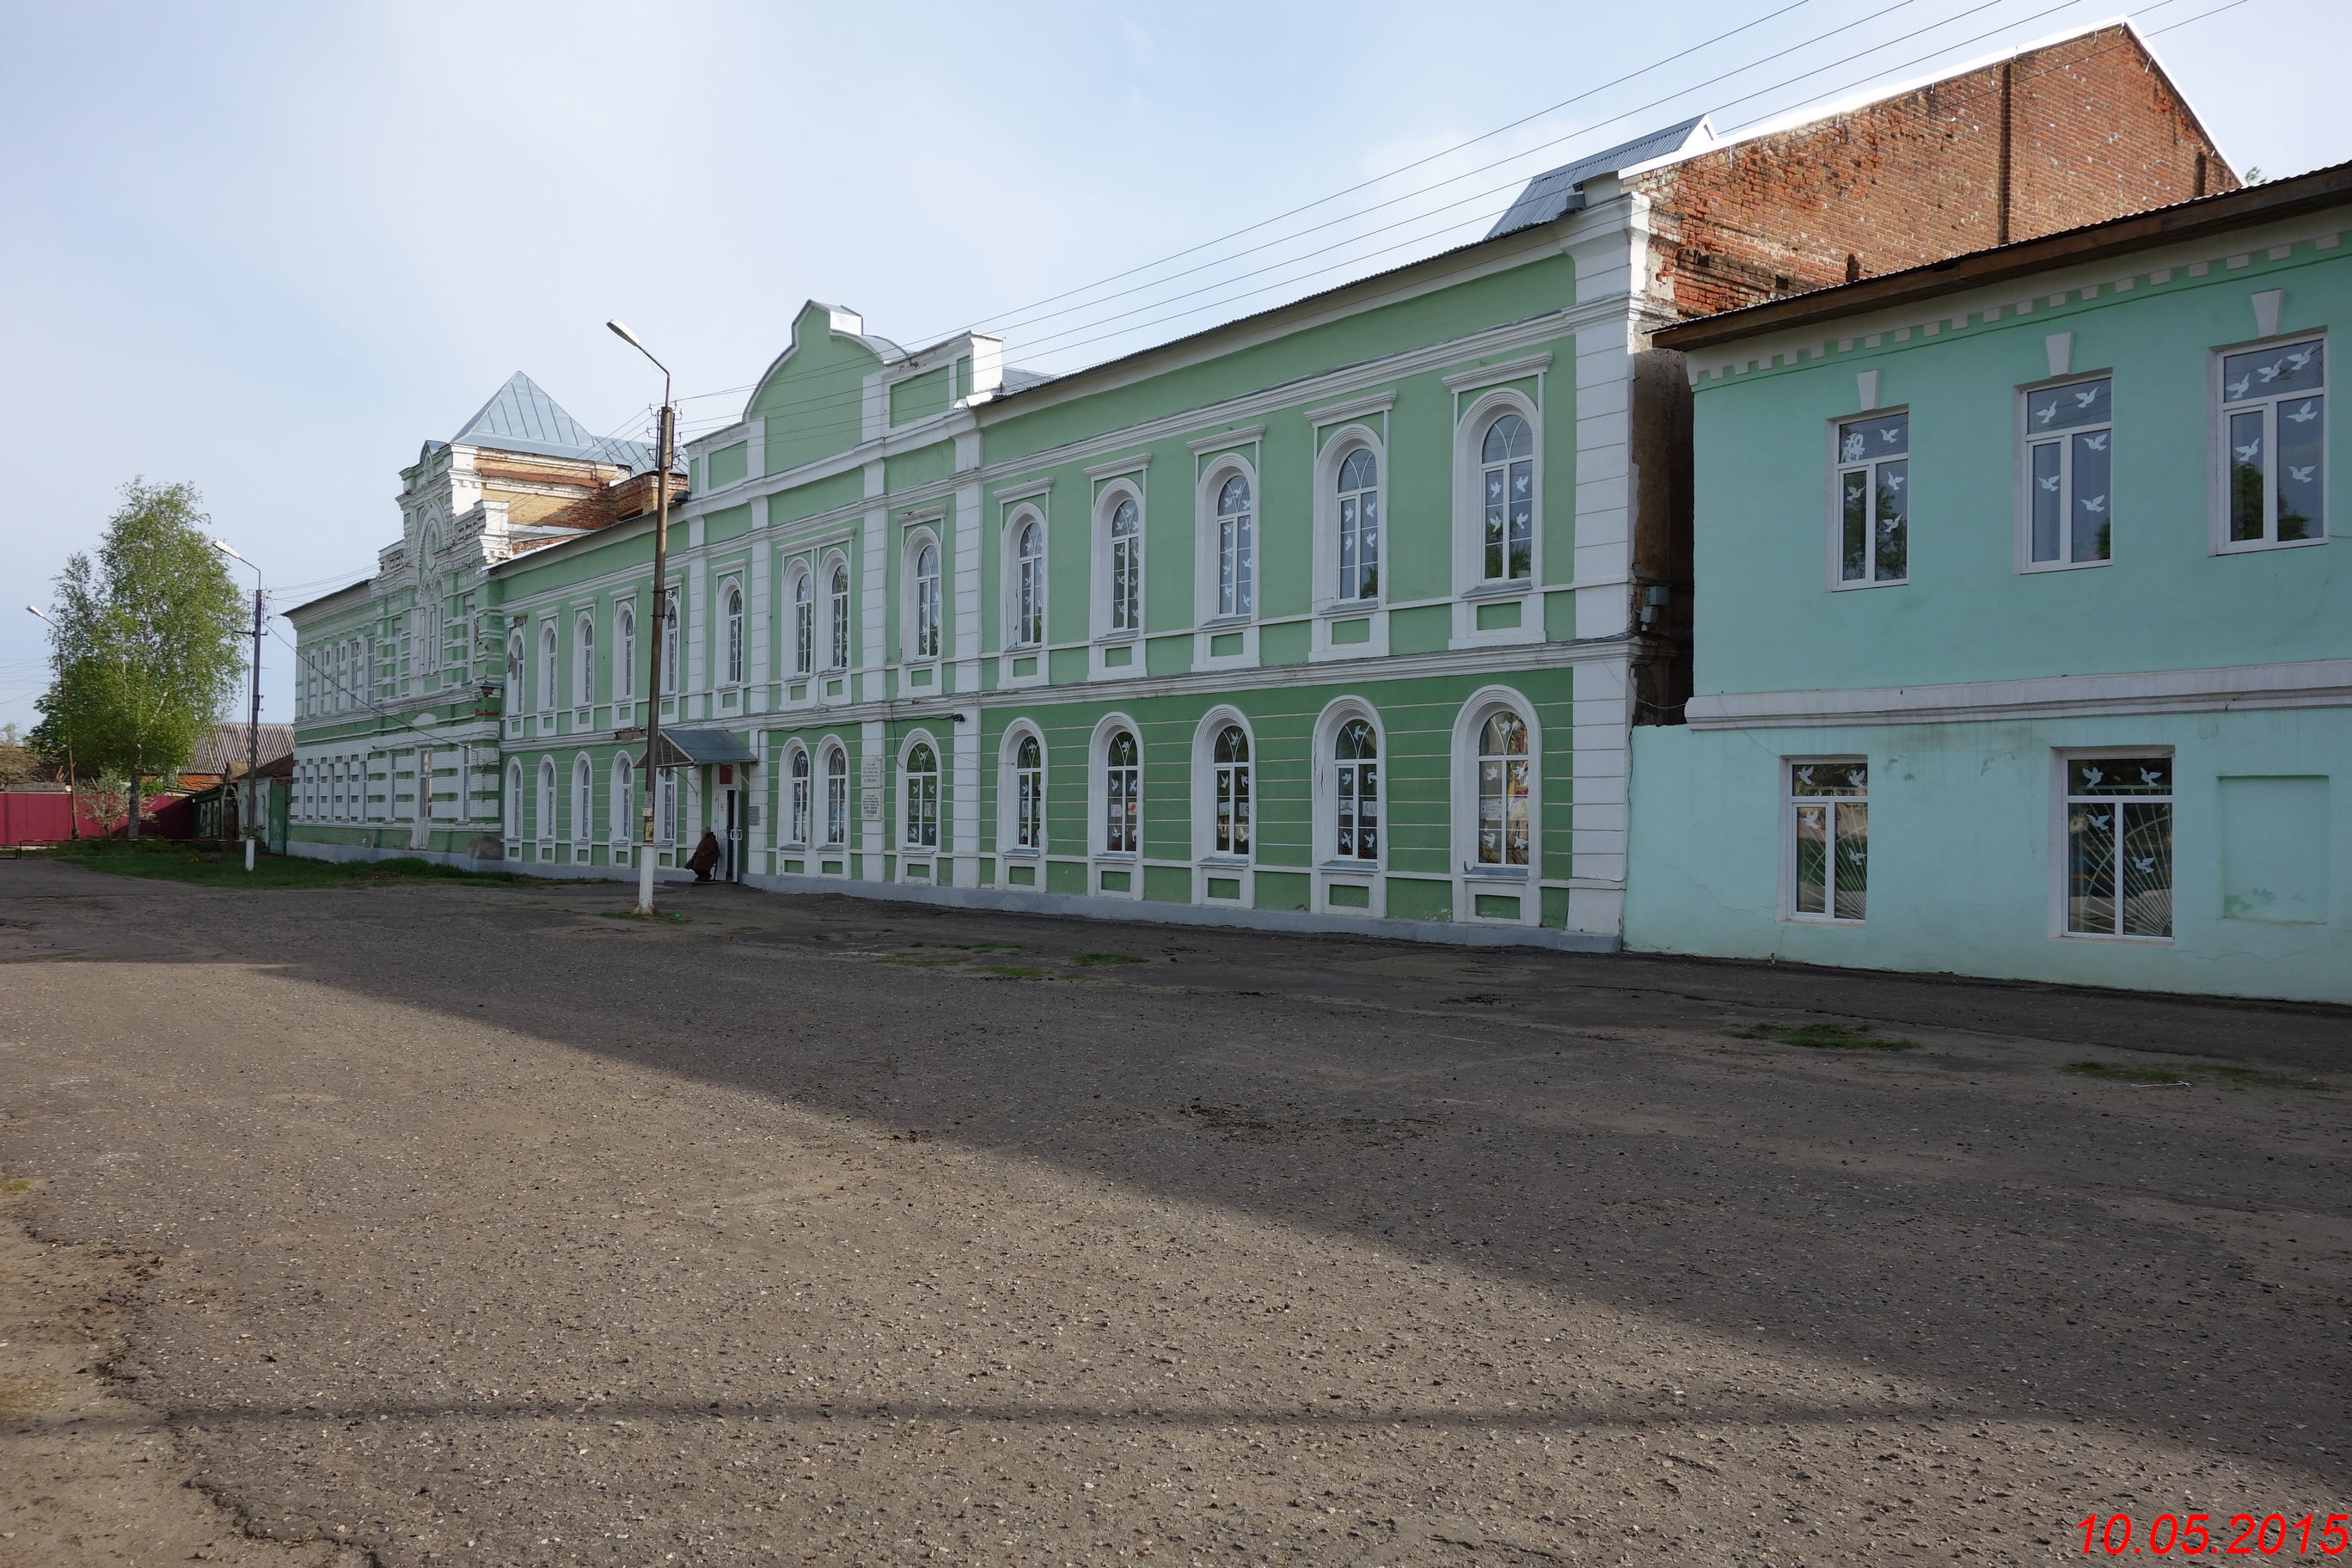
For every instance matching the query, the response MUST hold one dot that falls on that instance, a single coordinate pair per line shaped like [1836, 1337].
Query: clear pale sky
[271, 249]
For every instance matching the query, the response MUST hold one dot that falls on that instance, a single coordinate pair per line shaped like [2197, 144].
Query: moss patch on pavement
[210, 866]
[1823, 1037]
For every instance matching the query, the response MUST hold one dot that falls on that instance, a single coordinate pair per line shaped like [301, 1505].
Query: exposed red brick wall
[2095, 130]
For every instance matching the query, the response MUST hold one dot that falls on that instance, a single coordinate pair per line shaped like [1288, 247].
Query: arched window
[1359, 525]
[922, 783]
[625, 799]
[670, 672]
[1126, 566]
[547, 669]
[839, 608]
[1122, 795]
[796, 806]
[1357, 790]
[625, 653]
[514, 798]
[547, 803]
[1029, 794]
[583, 805]
[1232, 766]
[927, 600]
[1508, 466]
[734, 635]
[836, 796]
[1503, 803]
[665, 807]
[584, 663]
[1233, 550]
[516, 698]
[803, 622]
[1029, 589]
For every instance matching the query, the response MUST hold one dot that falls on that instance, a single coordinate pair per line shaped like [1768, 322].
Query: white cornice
[1353, 408]
[1024, 490]
[1242, 436]
[2317, 683]
[1133, 463]
[1505, 370]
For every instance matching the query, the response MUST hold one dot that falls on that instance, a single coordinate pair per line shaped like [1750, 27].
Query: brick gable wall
[2092, 130]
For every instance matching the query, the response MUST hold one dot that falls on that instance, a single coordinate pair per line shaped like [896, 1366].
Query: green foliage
[2231, 1074]
[1098, 959]
[144, 642]
[1823, 1037]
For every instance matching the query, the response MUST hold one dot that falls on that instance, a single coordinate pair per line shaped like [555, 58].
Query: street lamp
[73, 801]
[253, 722]
[666, 429]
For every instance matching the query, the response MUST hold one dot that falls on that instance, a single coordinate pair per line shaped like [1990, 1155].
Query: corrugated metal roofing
[692, 747]
[1555, 193]
[522, 418]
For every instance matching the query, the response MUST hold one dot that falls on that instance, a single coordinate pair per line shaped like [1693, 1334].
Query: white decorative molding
[2059, 346]
[1482, 375]
[1024, 490]
[1354, 408]
[1133, 463]
[1865, 386]
[2317, 683]
[2267, 302]
[1241, 435]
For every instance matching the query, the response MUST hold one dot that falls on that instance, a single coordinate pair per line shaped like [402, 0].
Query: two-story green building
[2024, 624]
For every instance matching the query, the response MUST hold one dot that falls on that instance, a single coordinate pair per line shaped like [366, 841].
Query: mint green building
[2023, 623]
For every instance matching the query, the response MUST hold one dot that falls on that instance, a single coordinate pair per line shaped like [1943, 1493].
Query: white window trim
[1470, 879]
[1009, 558]
[1787, 902]
[941, 774]
[2218, 461]
[785, 838]
[1099, 807]
[625, 651]
[1328, 607]
[549, 799]
[1106, 501]
[820, 820]
[511, 828]
[734, 658]
[1008, 792]
[1209, 860]
[2023, 486]
[583, 834]
[623, 826]
[911, 552]
[583, 666]
[1836, 515]
[1209, 622]
[1323, 788]
[1471, 589]
[799, 571]
[2060, 756]
[551, 666]
[843, 638]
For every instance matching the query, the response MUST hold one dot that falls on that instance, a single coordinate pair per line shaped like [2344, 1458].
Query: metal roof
[1557, 192]
[693, 748]
[522, 418]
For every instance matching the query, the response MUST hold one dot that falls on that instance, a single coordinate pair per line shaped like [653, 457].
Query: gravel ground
[473, 1225]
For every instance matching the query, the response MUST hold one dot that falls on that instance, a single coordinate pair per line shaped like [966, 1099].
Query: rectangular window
[2274, 425]
[1874, 494]
[2119, 846]
[2070, 462]
[1830, 818]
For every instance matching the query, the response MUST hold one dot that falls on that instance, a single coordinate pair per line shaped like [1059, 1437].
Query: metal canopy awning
[697, 748]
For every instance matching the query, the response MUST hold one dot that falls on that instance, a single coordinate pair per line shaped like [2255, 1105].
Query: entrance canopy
[695, 748]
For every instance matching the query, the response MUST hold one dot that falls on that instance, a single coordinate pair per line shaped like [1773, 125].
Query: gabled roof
[522, 418]
[1559, 192]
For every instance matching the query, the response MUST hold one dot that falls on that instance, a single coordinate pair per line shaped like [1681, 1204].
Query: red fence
[40, 816]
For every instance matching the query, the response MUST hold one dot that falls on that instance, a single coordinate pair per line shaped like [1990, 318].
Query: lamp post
[666, 432]
[253, 720]
[73, 801]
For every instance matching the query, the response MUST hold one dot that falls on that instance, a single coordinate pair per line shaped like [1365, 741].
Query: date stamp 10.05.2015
[2196, 1534]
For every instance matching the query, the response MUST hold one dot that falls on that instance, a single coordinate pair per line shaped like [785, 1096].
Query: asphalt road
[473, 1225]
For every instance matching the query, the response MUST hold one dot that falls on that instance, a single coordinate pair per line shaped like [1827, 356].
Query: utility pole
[253, 717]
[665, 434]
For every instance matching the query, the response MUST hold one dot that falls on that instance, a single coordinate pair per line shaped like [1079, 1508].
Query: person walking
[705, 856]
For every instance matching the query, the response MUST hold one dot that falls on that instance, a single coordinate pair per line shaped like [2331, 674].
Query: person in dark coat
[706, 856]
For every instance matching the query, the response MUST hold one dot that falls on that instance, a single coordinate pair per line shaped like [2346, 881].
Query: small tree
[143, 643]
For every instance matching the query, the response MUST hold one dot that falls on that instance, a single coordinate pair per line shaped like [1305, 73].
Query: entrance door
[734, 837]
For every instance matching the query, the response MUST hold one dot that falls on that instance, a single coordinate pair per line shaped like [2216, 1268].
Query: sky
[271, 250]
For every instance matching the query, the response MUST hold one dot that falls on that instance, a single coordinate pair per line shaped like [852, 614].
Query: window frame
[1329, 727]
[1332, 499]
[551, 667]
[918, 802]
[800, 593]
[2064, 441]
[511, 828]
[625, 651]
[582, 836]
[1471, 875]
[1790, 805]
[1208, 774]
[1209, 552]
[840, 614]
[2218, 415]
[1099, 796]
[836, 751]
[732, 646]
[1107, 608]
[673, 635]
[547, 801]
[622, 826]
[1475, 415]
[912, 608]
[1024, 587]
[584, 660]
[1011, 803]
[796, 779]
[1837, 468]
[2062, 758]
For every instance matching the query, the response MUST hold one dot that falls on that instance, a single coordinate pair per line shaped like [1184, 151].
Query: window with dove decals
[1874, 500]
[1829, 815]
[2070, 435]
[2274, 426]
[2119, 846]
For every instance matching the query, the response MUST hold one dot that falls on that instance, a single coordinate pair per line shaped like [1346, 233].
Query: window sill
[2038, 568]
[2259, 546]
[1497, 873]
[1225, 623]
[1226, 862]
[1349, 868]
[1844, 588]
[1821, 921]
[2116, 940]
[1501, 590]
[1024, 855]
